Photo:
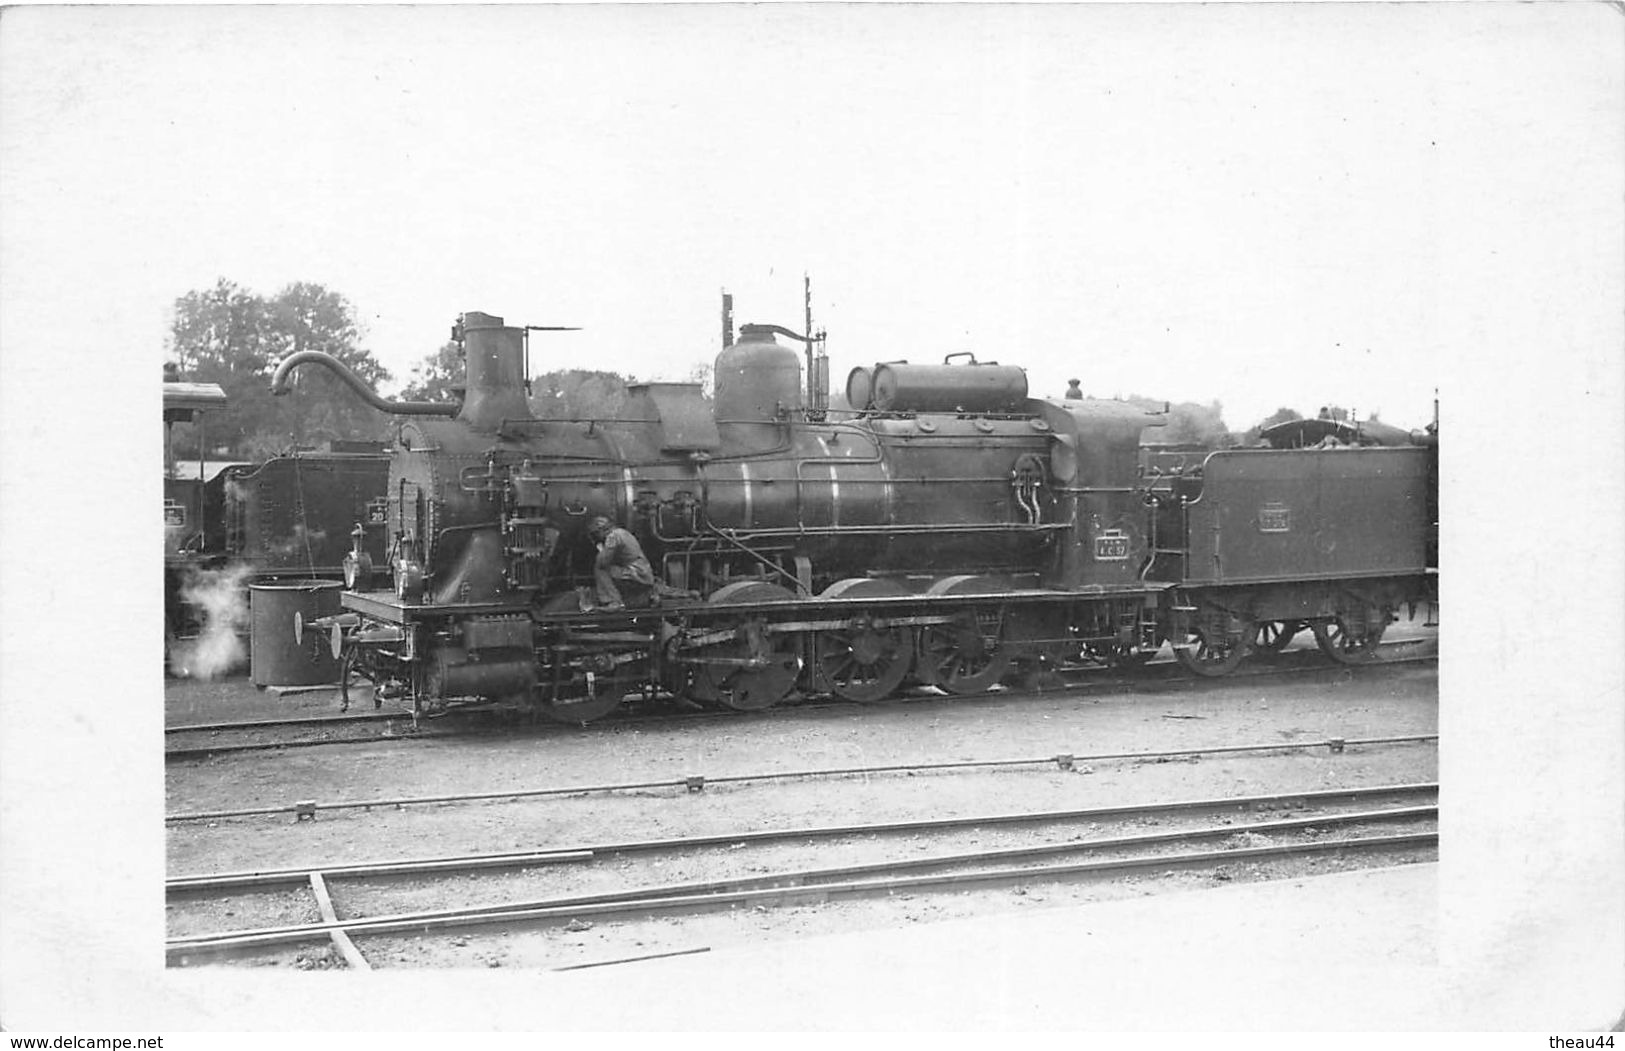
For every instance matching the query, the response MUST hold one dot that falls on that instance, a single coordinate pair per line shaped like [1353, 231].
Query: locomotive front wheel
[865, 663]
[958, 659]
[1273, 635]
[1213, 655]
[1338, 643]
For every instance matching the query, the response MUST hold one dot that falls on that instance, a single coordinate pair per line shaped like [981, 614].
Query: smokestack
[495, 357]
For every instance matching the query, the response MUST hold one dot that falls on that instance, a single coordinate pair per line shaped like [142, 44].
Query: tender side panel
[297, 513]
[1309, 514]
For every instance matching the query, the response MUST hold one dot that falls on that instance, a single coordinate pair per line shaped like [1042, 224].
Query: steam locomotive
[948, 530]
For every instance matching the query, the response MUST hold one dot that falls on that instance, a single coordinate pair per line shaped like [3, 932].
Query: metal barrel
[860, 385]
[949, 388]
[276, 656]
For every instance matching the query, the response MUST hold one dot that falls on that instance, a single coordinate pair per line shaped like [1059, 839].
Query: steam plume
[221, 598]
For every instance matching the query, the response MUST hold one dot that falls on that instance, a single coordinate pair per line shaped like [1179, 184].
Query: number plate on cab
[1111, 546]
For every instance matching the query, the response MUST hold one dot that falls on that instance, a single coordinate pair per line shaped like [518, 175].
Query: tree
[438, 376]
[1254, 434]
[322, 407]
[1281, 415]
[578, 394]
[224, 335]
[1199, 425]
[233, 337]
[1189, 424]
[703, 374]
[562, 394]
[223, 330]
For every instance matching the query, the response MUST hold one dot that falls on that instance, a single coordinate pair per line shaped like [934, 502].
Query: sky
[1262, 205]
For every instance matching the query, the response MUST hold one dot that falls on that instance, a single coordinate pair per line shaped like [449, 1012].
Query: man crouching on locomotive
[620, 563]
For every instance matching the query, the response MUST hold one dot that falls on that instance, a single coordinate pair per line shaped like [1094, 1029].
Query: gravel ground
[1369, 702]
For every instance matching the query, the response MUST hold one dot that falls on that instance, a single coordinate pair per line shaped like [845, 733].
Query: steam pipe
[279, 385]
[778, 329]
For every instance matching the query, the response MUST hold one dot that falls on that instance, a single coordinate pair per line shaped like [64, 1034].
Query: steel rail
[266, 724]
[1064, 760]
[1153, 677]
[633, 959]
[804, 877]
[811, 877]
[272, 746]
[405, 867]
[584, 852]
[762, 890]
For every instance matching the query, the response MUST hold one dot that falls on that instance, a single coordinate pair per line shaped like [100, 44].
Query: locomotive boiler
[949, 531]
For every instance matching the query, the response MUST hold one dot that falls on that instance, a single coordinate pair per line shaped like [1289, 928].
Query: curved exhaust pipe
[279, 385]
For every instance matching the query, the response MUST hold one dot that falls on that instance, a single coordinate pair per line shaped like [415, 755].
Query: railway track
[1379, 821]
[195, 741]
[308, 809]
[302, 721]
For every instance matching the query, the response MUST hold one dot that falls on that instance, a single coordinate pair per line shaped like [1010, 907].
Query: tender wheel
[1216, 652]
[1338, 640]
[865, 663]
[1274, 635]
[769, 663]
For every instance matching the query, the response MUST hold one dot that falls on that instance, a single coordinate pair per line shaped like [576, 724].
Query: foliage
[562, 394]
[1281, 415]
[703, 374]
[1189, 424]
[438, 377]
[577, 394]
[234, 337]
[1253, 434]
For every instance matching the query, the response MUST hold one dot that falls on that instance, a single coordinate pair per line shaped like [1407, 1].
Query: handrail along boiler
[949, 530]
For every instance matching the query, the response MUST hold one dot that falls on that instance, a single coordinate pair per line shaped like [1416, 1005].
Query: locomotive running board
[384, 606]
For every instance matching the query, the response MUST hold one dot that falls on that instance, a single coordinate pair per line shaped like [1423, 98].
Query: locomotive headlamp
[408, 580]
[357, 563]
